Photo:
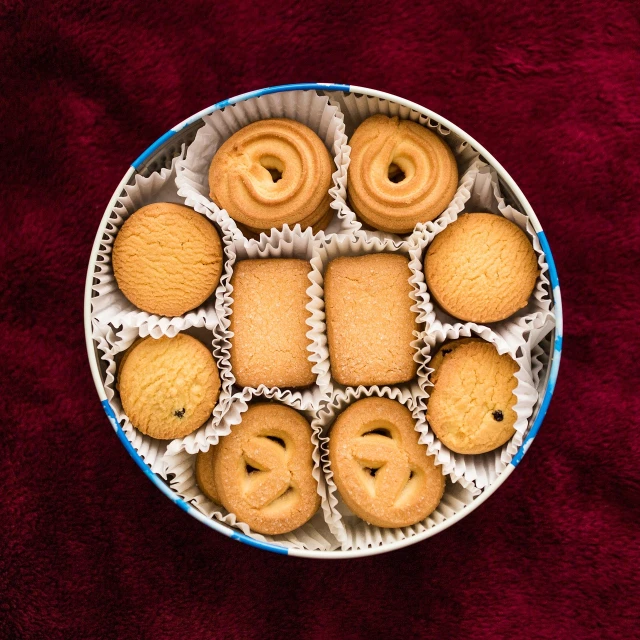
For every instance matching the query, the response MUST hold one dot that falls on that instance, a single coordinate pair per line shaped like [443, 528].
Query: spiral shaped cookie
[400, 174]
[382, 473]
[271, 173]
[262, 470]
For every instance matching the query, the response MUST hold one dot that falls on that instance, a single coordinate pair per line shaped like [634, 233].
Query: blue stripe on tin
[303, 86]
[145, 154]
[557, 352]
[235, 535]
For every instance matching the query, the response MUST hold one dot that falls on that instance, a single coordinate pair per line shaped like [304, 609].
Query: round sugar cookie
[470, 408]
[481, 268]
[205, 478]
[168, 386]
[167, 259]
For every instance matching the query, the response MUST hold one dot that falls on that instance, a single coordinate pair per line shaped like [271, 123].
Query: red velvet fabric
[88, 547]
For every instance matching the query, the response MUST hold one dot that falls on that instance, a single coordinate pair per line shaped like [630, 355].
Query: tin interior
[160, 154]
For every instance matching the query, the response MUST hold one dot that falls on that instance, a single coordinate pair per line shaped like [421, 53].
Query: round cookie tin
[168, 146]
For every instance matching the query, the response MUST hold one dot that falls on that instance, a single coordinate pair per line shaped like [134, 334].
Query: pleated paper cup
[357, 108]
[360, 244]
[352, 532]
[319, 113]
[315, 535]
[109, 304]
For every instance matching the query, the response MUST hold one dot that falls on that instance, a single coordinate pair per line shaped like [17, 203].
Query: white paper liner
[351, 531]
[486, 197]
[279, 244]
[483, 469]
[314, 535]
[113, 345]
[109, 304]
[308, 107]
[359, 244]
[357, 108]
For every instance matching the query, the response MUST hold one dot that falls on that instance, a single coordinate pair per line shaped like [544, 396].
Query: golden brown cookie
[370, 324]
[481, 268]
[381, 471]
[167, 259]
[168, 386]
[400, 174]
[273, 172]
[470, 408]
[205, 478]
[263, 470]
[269, 323]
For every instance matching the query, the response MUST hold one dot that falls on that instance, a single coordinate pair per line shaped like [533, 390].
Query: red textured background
[88, 547]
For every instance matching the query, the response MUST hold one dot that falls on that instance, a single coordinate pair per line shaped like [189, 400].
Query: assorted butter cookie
[205, 477]
[400, 174]
[269, 323]
[263, 470]
[481, 268]
[370, 325]
[271, 173]
[381, 471]
[168, 386]
[167, 259]
[470, 407]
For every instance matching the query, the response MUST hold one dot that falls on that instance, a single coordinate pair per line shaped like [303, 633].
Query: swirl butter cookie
[167, 259]
[470, 408]
[263, 470]
[168, 386]
[400, 174]
[481, 268]
[381, 471]
[271, 173]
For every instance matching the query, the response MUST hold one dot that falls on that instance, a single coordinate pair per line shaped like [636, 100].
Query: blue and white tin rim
[505, 179]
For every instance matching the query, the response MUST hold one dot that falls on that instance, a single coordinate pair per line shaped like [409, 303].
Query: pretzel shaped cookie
[382, 473]
[263, 470]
